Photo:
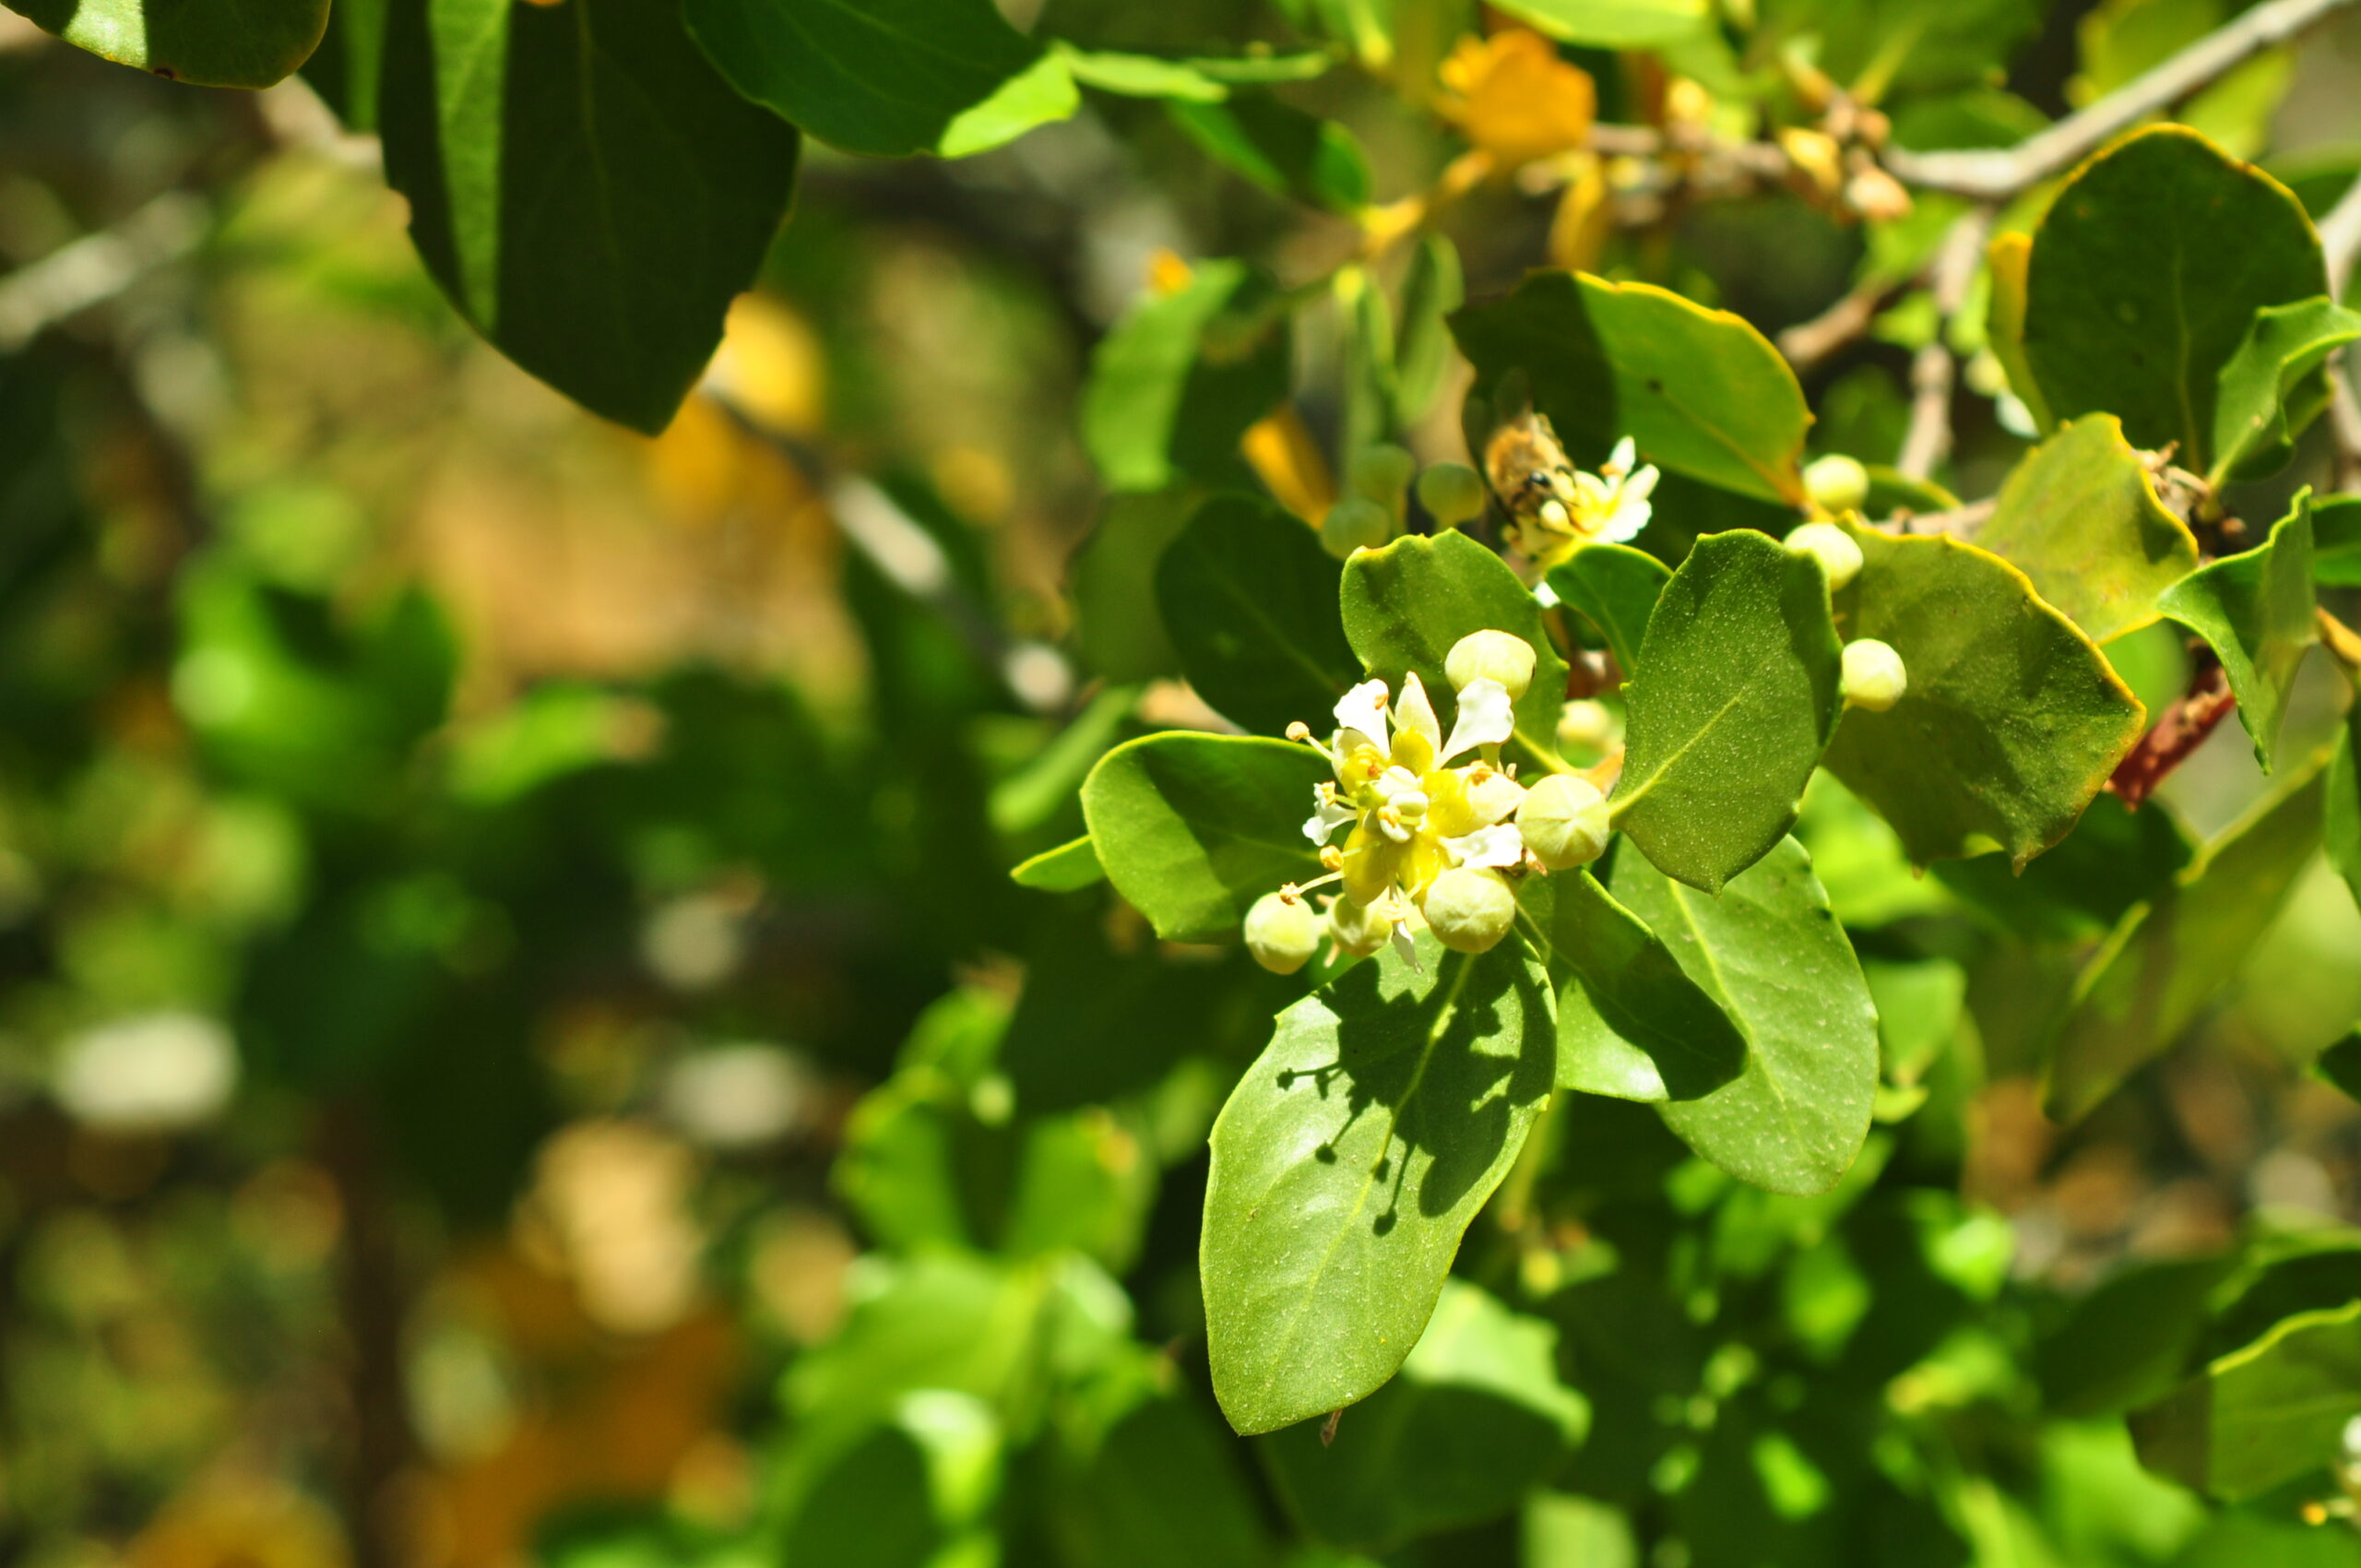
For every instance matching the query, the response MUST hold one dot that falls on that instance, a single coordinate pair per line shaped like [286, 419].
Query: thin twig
[97, 268]
[1933, 374]
[1995, 175]
[2182, 729]
[1808, 343]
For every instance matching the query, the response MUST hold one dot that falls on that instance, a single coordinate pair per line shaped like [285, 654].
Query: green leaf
[1349, 1163]
[2342, 816]
[585, 188]
[2336, 541]
[2256, 609]
[2341, 1064]
[1422, 358]
[1142, 1477]
[1180, 378]
[1112, 574]
[2129, 1341]
[1407, 606]
[1883, 49]
[888, 78]
[1615, 588]
[2008, 260]
[1279, 148]
[2134, 305]
[1065, 868]
[210, 42]
[1611, 24]
[1250, 599]
[1700, 391]
[1731, 701]
[1772, 957]
[2114, 858]
[343, 70]
[2166, 959]
[1139, 76]
[2080, 517]
[2263, 1415]
[1477, 1416]
[1194, 828]
[2273, 387]
[2012, 720]
[918, 1487]
[1631, 1023]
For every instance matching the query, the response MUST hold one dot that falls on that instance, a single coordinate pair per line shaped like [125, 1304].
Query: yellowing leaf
[1512, 95]
[1286, 459]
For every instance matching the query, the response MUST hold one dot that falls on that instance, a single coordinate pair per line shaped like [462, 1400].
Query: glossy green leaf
[2133, 302]
[1279, 148]
[2336, 541]
[2080, 517]
[1700, 391]
[1068, 867]
[2273, 387]
[2256, 609]
[888, 78]
[210, 42]
[1349, 1163]
[1194, 828]
[2263, 1415]
[1182, 376]
[1611, 24]
[2169, 957]
[1771, 954]
[1477, 1416]
[1615, 588]
[1631, 1022]
[583, 186]
[1732, 699]
[1407, 605]
[1250, 599]
[2012, 720]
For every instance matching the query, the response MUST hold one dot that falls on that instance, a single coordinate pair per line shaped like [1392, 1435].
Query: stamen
[1332, 857]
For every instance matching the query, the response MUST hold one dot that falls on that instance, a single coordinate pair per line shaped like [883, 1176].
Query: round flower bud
[1356, 929]
[1874, 678]
[1833, 548]
[1452, 494]
[1490, 656]
[1469, 909]
[1281, 932]
[1563, 822]
[1587, 724]
[1381, 474]
[1837, 484]
[1354, 523]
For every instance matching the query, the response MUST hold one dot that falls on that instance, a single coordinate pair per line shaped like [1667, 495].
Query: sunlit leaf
[1615, 588]
[1732, 700]
[249, 43]
[2272, 388]
[2080, 517]
[1349, 1162]
[1182, 376]
[2266, 1414]
[2256, 611]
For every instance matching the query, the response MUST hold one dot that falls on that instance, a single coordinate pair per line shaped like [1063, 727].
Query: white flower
[1498, 847]
[1607, 508]
[1486, 718]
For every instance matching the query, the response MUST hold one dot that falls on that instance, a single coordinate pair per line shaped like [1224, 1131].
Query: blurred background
[467, 870]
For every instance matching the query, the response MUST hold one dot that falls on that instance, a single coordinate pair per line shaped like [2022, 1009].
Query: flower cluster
[1607, 508]
[1432, 833]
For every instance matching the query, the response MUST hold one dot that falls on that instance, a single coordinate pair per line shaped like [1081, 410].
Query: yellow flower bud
[1837, 484]
[1586, 723]
[1453, 495]
[1832, 547]
[1282, 931]
[1497, 656]
[1354, 523]
[1874, 678]
[1356, 928]
[1563, 822]
[1470, 910]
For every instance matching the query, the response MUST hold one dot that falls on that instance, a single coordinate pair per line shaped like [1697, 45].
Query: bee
[1528, 468]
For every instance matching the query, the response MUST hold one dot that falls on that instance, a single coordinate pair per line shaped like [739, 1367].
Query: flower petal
[1362, 710]
[1494, 799]
[1328, 813]
[1620, 461]
[1498, 847]
[1415, 714]
[1486, 719]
